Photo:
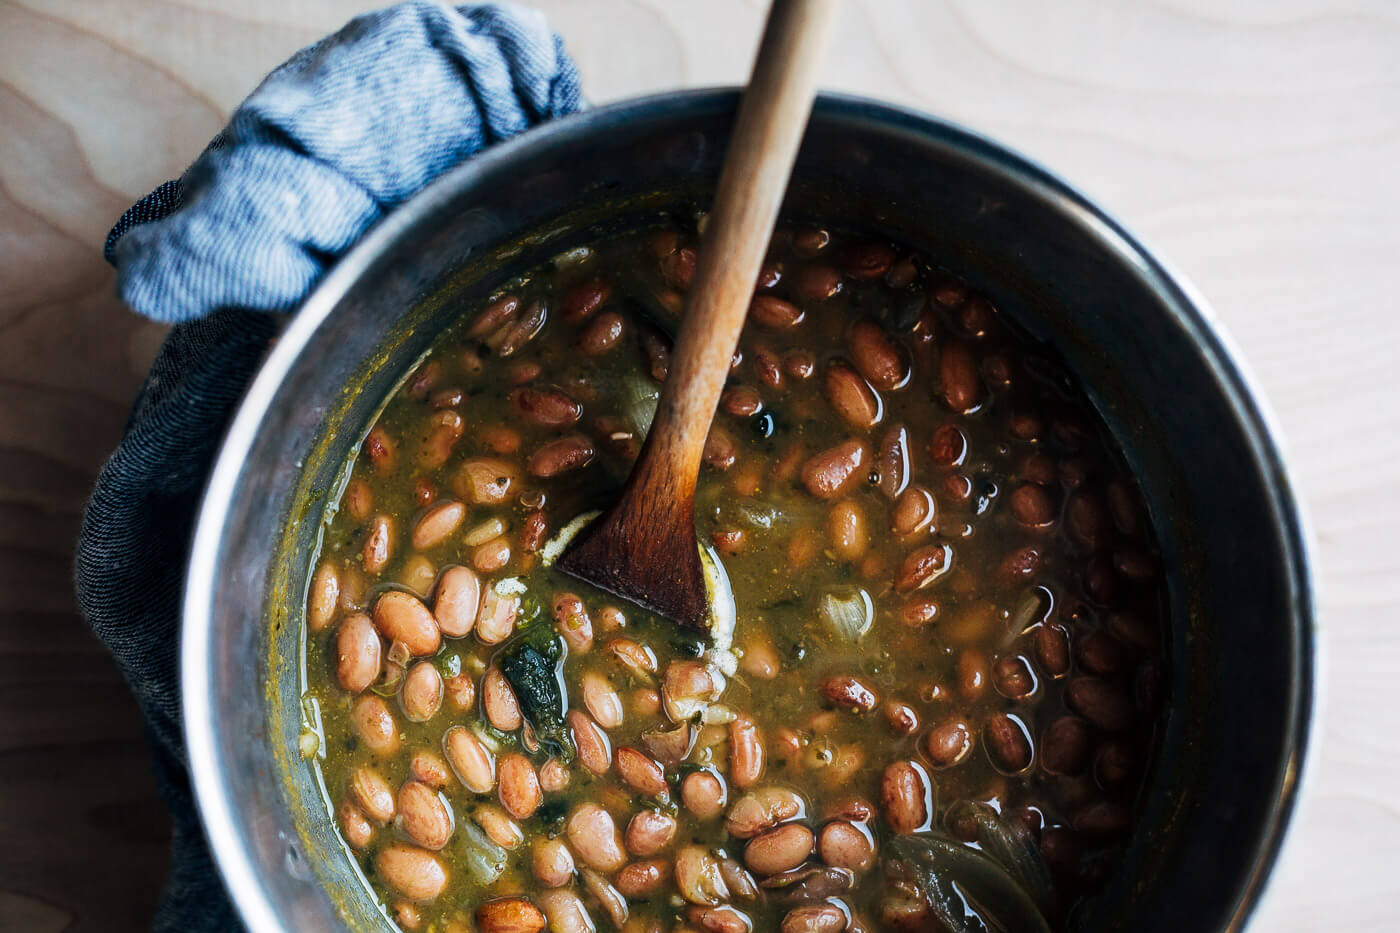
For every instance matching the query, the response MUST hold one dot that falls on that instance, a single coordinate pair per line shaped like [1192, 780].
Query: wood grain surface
[1255, 143]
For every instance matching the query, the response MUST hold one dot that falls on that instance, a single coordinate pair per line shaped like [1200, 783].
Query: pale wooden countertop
[1255, 143]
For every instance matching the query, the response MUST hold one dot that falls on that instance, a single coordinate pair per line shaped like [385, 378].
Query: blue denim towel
[330, 142]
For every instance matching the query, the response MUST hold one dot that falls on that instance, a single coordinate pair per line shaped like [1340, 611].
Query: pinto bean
[834, 471]
[876, 355]
[905, 796]
[412, 872]
[814, 918]
[492, 555]
[456, 601]
[509, 915]
[914, 511]
[547, 407]
[972, 673]
[779, 849]
[922, 566]
[485, 481]
[583, 300]
[423, 816]
[762, 809]
[552, 862]
[437, 524]
[374, 725]
[601, 700]
[1032, 506]
[1065, 746]
[1052, 648]
[561, 456]
[355, 827]
[498, 826]
[640, 772]
[640, 880]
[379, 544]
[852, 398]
[846, 845]
[818, 283]
[372, 794]
[703, 794]
[460, 690]
[649, 832]
[594, 750]
[745, 752]
[902, 718]
[602, 334]
[893, 461]
[1012, 677]
[741, 401]
[402, 617]
[421, 693]
[497, 313]
[519, 785]
[849, 692]
[720, 450]
[773, 313]
[428, 768]
[959, 383]
[948, 743]
[768, 367]
[324, 596]
[358, 653]
[594, 838]
[554, 776]
[564, 910]
[359, 499]
[470, 760]
[1100, 653]
[382, 450]
[847, 531]
[499, 702]
[1008, 743]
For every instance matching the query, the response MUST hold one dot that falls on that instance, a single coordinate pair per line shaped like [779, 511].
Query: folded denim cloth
[328, 144]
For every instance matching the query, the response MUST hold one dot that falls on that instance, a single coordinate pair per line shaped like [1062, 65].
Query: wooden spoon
[644, 547]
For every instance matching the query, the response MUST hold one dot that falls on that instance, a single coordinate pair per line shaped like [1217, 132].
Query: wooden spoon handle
[772, 117]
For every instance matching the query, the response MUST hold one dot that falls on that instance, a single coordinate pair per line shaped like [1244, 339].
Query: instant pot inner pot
[1063, 273]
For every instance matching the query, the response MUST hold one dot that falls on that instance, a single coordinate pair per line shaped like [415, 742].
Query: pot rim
[222, 824]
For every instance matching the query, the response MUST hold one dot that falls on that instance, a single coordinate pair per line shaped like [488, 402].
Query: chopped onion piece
[848, 611]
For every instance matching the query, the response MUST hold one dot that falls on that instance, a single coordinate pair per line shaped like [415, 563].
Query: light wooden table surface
[1255, 143]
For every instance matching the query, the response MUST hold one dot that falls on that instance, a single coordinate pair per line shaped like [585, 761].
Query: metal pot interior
[1241, 646]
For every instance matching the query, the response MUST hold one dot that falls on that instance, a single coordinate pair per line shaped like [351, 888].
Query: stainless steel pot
[1243, 645]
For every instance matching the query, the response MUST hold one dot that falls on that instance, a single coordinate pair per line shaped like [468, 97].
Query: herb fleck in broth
[949, 618]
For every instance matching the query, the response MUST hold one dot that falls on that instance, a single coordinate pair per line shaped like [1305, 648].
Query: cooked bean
[741, 401]
[846, 845]
[972, 673]
[640, 880]
[720, 450]
[1032, 506]
[498, 439]
[882, 361]
[761, 660]
[948, 743]
[703, 794]
[533, 531]
[762, 809]
[894, 462]
[698, 877]
[832, 472]
[903, 719]
[437, 524]
[958, 379]
[382, 450]
[379, 544]
[324, 596]
[573, 624]
[1052, 649]
[355, 827]
[561, 456]
[499, 702]
[1100, 702]
[402, 617]
[649, 832]
[818, 283]
[478, 535]
[1115, 763]
[722, 919]
[565, 911]
[867, 259]
[1064, 746]
[554, 776]
[492, 556]
[849, 692]
[1101, 818]
[594, 838]
[552, 862]
[601, 700]
[1100, 653]
[914, 511]
[852, 398]
[814, 918]
[470, 760]
[418, 574]
[460, 690]
[509, 915]
[905, 796]
[519, 785]
[774, 313]
[919, 611]
[412, 872]
[602, 334]
[921, 567]
[423, 816]
[428, 768]
[594, 750]
[638, 659]
[1012, 678]
[421, 694]
[494, 315]
[547, 407]
[457, 600]
[372, 794]
[495, 620]
[498, 826]
[846, 528]
[485, 481]
[374, 725]
[745, 752]
[445, 428]
[359, 499]
[585, 298]
[358, 653]
[641, 773]
[779, 849]
[1008, 743]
